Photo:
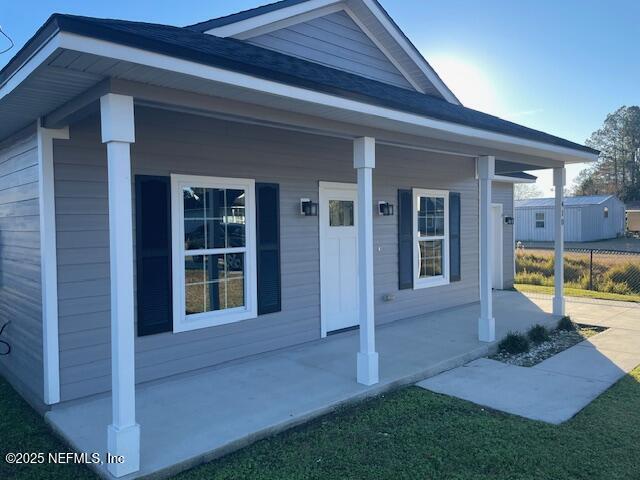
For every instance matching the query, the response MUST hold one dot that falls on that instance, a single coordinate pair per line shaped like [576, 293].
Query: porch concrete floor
[189, 419]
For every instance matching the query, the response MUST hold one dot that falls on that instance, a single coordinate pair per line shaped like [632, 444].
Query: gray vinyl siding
[336, 41]
[20, 292]
[177, 143]
[503, 193]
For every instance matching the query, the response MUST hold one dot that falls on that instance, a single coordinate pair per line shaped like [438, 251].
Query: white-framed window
[214, 251]
[430, 238]
[539, 219]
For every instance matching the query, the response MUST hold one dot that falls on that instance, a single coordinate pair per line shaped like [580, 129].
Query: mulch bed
[559, 340]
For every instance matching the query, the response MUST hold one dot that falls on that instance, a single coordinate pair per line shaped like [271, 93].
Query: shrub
[614, 287]
[533, 278]
[538, 334]
[566, 324]
[627, 274]
[514, 343]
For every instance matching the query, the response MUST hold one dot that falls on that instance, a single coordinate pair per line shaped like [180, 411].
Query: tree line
[617, 171]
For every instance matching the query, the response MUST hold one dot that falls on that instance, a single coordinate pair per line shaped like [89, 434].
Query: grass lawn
[409, 434]
[576, 292]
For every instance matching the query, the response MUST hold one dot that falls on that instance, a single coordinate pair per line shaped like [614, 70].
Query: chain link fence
[605, 274]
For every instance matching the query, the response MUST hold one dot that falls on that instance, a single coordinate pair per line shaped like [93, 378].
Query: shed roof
[568, 201]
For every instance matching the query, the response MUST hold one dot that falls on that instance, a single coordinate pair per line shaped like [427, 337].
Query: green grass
[577, 292]
[409, 434]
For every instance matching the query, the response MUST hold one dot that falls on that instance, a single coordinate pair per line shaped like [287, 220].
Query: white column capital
[559, 177]
[364, 152]
[117, 120]
[486, 167]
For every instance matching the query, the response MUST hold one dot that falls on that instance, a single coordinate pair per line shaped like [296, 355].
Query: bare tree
[524, 191]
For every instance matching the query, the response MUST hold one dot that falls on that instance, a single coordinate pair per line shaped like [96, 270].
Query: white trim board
[48, 262]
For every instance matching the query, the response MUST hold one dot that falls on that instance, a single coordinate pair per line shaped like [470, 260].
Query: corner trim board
[48, 262]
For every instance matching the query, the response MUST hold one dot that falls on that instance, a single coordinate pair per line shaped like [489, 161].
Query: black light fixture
[308, 208]
[385, 209]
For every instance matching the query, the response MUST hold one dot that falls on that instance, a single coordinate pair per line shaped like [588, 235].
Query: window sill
[420, 284]
[206, 320]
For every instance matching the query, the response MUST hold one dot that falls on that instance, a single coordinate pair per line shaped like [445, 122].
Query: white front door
[496, 251]
[338, 256]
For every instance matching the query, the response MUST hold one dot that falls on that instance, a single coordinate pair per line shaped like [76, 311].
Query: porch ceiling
[64, 75]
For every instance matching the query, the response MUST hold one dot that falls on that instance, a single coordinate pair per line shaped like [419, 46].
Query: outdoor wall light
[308, 208]
[385, 209]
[508, 220]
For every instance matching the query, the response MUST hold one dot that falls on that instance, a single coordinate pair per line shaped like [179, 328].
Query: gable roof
[568, 201]
[241, 24]
[238, 56]
[242, 15]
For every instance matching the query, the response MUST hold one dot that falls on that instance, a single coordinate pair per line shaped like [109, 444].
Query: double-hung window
[214, 277]
[539, 219]
[430, 238]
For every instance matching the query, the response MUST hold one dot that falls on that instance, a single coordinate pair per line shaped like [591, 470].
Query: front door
[496, 250]
[338, 256]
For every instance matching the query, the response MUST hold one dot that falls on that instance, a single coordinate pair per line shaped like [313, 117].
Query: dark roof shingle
[242, 57]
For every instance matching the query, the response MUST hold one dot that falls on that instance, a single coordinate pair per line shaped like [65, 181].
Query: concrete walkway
[194, 418]
[559, 387]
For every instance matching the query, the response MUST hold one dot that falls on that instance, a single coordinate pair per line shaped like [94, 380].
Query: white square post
[123, 435]
[364, 161]
[559, 181]
[486, 323]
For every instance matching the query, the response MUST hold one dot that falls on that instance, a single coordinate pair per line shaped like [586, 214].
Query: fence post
[591, 270]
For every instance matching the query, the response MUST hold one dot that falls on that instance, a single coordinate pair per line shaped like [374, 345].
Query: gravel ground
[560, 340]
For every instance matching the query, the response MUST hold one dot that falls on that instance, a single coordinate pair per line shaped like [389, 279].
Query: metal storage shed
[586, 219]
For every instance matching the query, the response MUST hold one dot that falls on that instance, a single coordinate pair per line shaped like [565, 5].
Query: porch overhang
[69, 72]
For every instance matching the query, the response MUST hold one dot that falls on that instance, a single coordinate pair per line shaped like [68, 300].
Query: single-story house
[586, 218]
[173, 198]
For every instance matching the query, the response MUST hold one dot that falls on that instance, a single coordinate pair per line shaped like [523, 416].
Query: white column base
[124, 442]
[487, 329]
[558, 306]
[368, 368]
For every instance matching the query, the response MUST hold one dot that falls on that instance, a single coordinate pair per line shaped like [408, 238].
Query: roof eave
[55, 29]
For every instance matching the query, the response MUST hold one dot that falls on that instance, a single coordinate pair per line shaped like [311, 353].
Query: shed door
[338, 256]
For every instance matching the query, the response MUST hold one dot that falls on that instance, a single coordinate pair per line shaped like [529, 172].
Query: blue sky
[557, 66]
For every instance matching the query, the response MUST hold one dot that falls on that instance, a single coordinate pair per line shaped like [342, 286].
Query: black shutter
[405, 239]
[454, 237]
[153, 254]
[268, 247]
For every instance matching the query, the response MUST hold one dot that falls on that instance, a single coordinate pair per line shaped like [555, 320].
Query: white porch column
[559, 181]
[123, 435]
[364, 160]
[486, 323]
[48, 261]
